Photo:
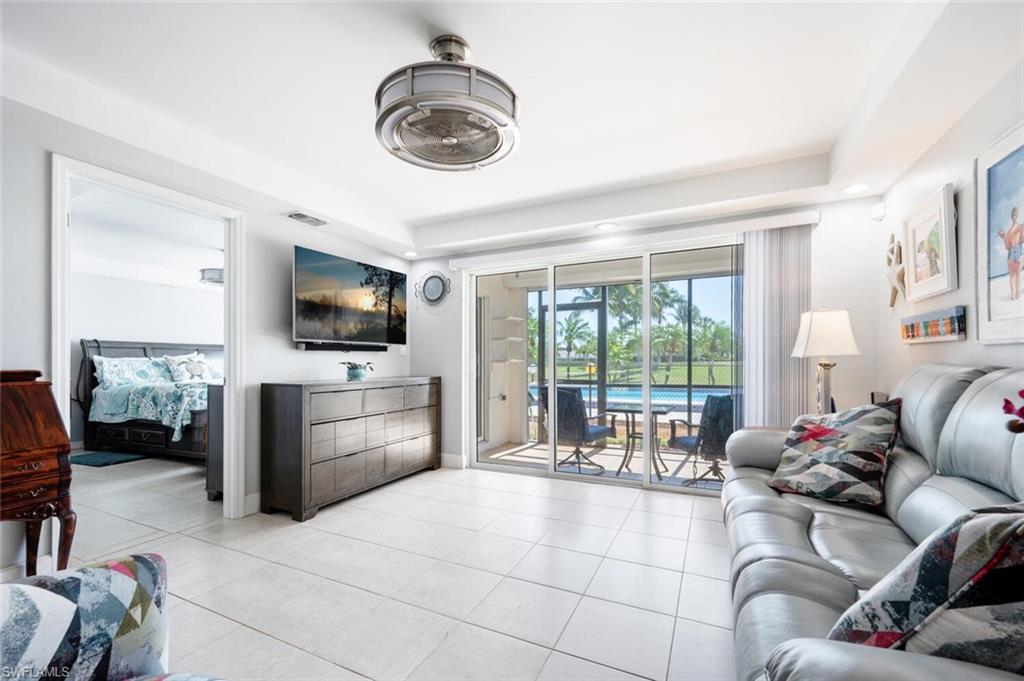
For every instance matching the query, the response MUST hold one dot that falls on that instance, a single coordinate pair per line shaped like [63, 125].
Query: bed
[145, 413]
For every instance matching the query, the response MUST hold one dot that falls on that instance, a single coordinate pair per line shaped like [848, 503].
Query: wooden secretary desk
[35, 468]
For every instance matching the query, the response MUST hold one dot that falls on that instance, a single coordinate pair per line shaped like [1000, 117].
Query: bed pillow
[190, 368]
[114, 371]
[960, 594]
[839, 457]
[216, 365]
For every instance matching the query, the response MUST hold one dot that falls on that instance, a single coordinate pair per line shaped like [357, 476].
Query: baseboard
[44, 565]
[452, 461]
[252, 503]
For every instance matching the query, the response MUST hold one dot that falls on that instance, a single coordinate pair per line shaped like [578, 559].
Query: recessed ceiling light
[855, 189]
[605, 226]
[410, 254]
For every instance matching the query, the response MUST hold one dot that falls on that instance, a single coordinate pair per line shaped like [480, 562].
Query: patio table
[632, 435]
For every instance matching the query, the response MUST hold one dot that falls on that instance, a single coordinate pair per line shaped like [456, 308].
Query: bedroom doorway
[146, 358]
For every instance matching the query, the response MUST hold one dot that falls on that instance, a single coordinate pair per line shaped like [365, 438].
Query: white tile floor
[449, 574]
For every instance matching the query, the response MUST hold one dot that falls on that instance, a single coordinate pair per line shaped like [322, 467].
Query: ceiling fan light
[446, 114]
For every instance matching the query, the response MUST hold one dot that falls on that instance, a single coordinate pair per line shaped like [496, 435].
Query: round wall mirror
[433, 288]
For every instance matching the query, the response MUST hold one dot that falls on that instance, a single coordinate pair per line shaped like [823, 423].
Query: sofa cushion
[778, 575]
[905, 470]
[865, 550]
[975, 442]
[940, 500]
[959, 595]
[840, 457]
[929, 392]
[769, 619]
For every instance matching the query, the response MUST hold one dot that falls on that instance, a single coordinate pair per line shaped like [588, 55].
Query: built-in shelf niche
[508, 340]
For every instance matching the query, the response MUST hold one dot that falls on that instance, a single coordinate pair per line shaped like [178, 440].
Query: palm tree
[574, 331]
[712, 341]
[623, 353]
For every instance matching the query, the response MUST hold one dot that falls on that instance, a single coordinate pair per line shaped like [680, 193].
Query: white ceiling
[116, 233]
[614, 96]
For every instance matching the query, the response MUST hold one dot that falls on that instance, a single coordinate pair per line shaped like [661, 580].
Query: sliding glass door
[598, 361]
[696, 364]
[627, 370]
[510, 337]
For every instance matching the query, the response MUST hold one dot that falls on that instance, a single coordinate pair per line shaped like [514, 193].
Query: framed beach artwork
[929, 247]
[1000, 234]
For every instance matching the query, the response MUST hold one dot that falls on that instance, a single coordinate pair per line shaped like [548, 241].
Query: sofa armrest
[757, 447]
[811, 659]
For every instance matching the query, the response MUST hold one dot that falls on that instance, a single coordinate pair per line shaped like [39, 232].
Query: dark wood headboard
[86, 381]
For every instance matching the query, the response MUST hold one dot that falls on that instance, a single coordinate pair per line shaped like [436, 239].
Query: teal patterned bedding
[169, 403]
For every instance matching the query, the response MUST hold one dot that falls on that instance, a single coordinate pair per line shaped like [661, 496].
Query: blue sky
[1005, 190]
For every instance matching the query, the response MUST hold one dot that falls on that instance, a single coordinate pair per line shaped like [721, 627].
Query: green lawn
[720, 374]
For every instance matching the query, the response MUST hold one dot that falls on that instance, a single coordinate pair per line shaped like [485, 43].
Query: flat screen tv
[337, 300]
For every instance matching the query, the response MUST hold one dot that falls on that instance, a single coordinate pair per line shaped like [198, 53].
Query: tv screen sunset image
[342, 300]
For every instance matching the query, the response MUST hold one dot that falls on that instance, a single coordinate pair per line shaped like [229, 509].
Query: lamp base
[825, 387]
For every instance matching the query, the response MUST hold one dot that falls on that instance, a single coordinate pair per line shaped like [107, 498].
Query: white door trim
[63, 169]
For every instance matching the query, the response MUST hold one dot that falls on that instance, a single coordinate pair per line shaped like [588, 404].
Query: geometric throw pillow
[190, 368]
[104, 621]
[839, 457]
[960, 594]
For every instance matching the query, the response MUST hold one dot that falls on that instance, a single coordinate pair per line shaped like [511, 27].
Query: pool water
[660, 396]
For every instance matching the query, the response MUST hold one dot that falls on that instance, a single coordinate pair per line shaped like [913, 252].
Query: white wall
[951, 159]
[846, 273]
[108, 308]
[28, 137]
[439, 351]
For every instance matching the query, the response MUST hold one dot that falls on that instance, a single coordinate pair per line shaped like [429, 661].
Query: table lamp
[824, 334]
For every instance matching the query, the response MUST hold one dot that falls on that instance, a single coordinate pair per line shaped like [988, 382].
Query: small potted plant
[357, 370]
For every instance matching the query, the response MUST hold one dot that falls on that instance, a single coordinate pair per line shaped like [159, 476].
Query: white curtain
[776, 289]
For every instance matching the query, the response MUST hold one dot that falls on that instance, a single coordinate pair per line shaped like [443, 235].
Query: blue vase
[356, 375]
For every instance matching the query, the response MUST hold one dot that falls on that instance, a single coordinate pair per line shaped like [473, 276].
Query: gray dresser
[322, 441]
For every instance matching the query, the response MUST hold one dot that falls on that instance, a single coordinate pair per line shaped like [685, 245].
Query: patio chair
[575, 427]
[716, 425]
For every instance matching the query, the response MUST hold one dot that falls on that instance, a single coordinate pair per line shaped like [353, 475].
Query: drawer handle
[31, 466]
[31, 493]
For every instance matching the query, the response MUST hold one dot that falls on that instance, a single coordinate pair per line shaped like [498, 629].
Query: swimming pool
[660, 396]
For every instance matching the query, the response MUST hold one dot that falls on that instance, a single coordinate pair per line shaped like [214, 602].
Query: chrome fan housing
[446, 114]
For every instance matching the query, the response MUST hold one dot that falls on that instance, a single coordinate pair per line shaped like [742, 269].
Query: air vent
[307, 219]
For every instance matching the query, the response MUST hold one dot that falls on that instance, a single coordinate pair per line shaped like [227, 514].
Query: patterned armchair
[105, 621]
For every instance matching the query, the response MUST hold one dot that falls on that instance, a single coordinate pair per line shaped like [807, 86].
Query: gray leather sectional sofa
[798, 563]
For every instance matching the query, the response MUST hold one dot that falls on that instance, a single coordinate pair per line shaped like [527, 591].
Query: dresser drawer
[31, 490]
[321, 481]
[321, 432]
[384, 399]
[393, 459]
[318, 451]
[375, 430]
[148, 436]
[17, 466]
[375, 465]
[413, 422]
[107, 431]
[393, 426]
[350, 473]
[412, 453]
[335, 405]
[420, 395]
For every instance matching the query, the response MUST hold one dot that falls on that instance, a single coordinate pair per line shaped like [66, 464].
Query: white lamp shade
[825, 333]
